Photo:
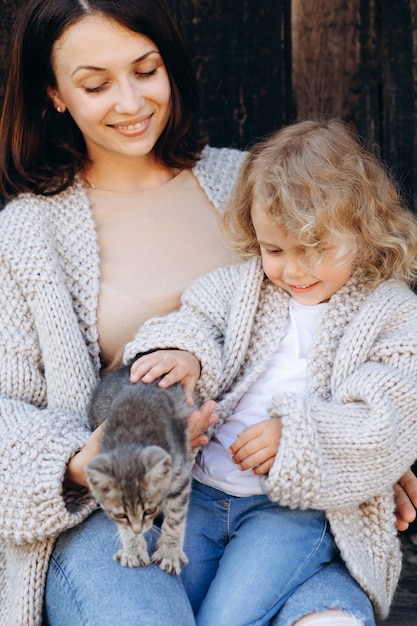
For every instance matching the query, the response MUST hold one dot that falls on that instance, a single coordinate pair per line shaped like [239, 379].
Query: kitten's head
[130, 483]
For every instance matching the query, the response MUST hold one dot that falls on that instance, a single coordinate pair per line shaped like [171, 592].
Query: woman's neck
[137, 176]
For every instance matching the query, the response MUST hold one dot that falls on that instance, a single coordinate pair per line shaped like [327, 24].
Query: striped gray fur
[144, 468]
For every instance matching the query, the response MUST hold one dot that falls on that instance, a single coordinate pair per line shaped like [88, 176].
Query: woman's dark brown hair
[42, 151]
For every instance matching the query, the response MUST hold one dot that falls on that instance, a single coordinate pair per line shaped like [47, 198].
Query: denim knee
[86, 587]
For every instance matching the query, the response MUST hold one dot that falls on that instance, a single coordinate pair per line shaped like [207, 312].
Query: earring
[59, 109]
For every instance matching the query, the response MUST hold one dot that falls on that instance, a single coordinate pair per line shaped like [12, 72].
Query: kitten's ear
[99, 477]
[158, 463]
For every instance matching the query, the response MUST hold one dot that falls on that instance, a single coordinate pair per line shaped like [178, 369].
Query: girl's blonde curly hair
[319, 183]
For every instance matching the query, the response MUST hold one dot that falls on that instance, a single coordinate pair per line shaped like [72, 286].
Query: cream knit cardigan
[49, 363]
[342, 448]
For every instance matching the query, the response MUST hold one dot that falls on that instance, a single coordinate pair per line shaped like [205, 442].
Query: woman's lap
[330, 588]
[86, 587]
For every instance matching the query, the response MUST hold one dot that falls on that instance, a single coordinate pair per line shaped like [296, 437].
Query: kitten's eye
[120, 517]
[152, 511]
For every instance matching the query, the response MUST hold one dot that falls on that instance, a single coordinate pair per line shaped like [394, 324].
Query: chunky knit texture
[342, 448]
[49, 363]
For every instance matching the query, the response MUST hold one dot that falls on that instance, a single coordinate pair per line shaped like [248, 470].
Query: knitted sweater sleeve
[197, 327]
[354, 445]
[36, 438]
[200, 327]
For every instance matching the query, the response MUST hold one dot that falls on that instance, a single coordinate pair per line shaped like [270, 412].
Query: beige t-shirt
[153, 244]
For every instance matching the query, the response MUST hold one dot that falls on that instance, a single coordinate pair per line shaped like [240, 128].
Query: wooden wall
[264, 63]
[358, 59]
[241, 53]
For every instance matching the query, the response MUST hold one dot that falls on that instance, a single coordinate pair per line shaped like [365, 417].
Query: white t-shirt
[286, 371]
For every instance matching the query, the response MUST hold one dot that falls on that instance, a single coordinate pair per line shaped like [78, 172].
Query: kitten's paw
[170, 560]
[132, 559]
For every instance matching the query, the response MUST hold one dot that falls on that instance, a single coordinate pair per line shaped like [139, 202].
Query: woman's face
[114, 84]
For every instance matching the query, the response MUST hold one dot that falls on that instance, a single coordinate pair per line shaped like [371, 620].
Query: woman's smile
[131, 128]
[114, 84]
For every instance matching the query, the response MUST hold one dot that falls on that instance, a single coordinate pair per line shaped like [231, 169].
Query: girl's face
[114, 84]
[282, 260]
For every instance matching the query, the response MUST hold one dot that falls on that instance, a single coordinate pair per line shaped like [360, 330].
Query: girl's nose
[293, 268]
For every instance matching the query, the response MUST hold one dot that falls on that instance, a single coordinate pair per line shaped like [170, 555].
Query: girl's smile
[303, 288]
[284, 260]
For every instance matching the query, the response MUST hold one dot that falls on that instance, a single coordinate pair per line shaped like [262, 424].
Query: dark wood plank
[326, 55]
[240, 51]
[357, 59]
[404, 609]
[399, 124]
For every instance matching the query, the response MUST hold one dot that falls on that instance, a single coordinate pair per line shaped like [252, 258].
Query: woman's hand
[405, 493]
[175, 366]
[199, 420]
[256, 446]
[75, 474]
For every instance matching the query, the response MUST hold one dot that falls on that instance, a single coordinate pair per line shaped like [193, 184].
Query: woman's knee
[86, 586]
[329, 618]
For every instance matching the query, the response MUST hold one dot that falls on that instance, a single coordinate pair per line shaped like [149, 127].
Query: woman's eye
[93, 89]
[146, 74]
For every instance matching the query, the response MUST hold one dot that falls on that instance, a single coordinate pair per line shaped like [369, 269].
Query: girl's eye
[273, 252]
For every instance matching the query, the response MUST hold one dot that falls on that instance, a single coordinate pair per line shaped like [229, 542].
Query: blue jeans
[331, 588]
[248, 555]
[86, 587]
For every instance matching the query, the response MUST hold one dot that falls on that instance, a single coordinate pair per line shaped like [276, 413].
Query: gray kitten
[144, 466]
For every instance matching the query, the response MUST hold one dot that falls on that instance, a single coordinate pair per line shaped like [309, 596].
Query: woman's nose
[129, 97]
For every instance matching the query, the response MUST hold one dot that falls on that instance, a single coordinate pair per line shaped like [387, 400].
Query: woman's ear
[55, 98]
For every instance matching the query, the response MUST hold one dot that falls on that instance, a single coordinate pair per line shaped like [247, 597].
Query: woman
[115, 198]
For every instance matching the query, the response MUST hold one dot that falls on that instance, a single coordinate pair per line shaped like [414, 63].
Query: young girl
[310, 348]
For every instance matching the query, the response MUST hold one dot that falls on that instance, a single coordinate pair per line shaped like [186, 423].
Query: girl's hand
[75, 474]
[405, 493]
[256, 446]
[175, 366]
[178, 366]
[199, 420]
